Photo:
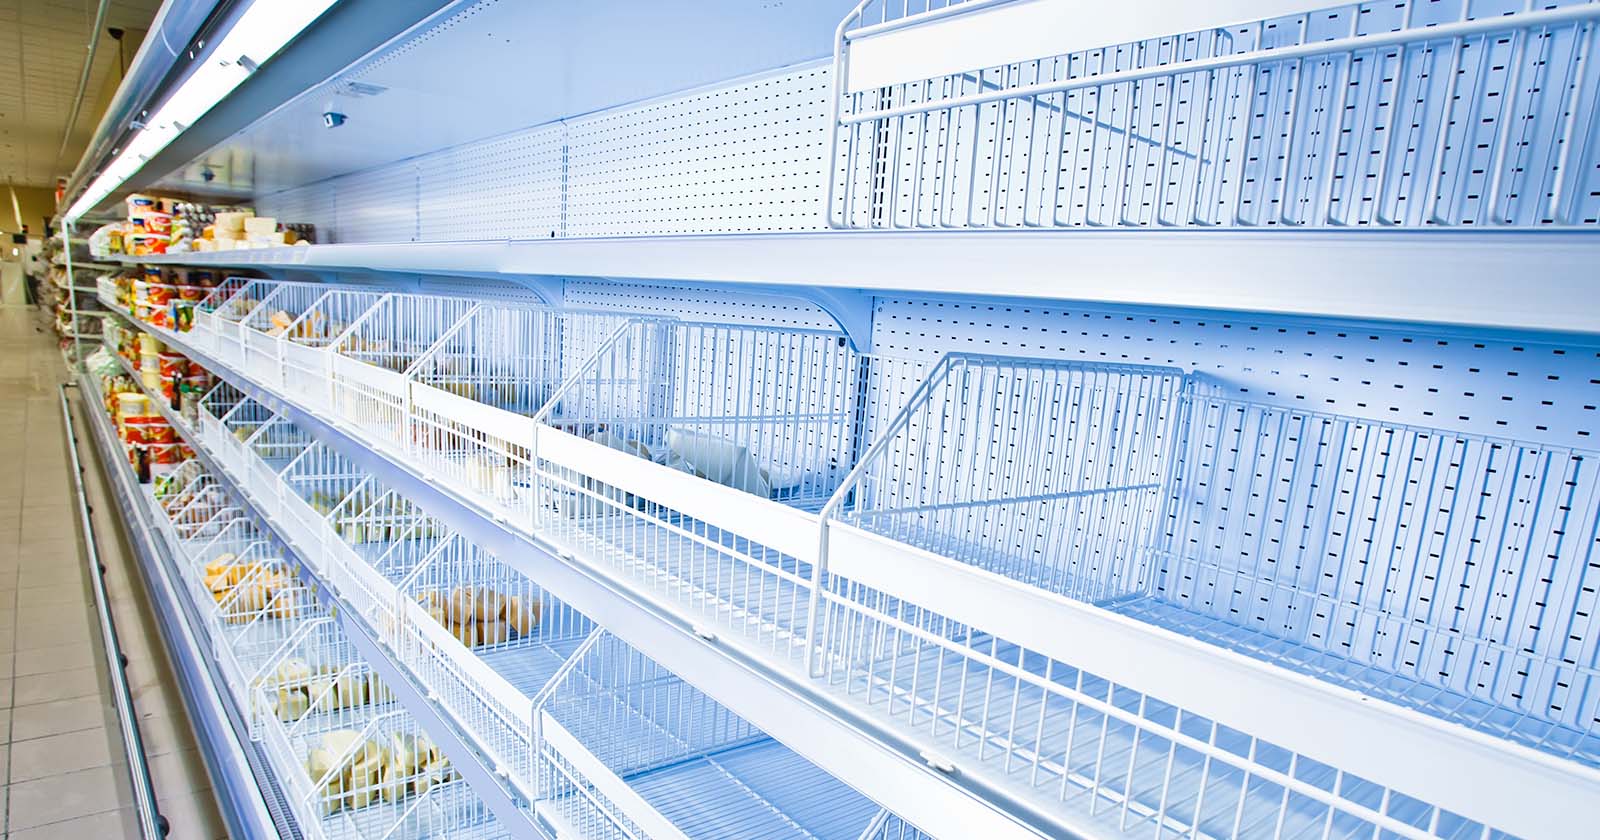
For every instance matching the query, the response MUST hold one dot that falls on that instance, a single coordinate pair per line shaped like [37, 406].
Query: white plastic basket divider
[312, 486]
[468, 625]
[262, 331]
[370, 387]
[271, 449]
[227, 320]
[240, 424]
[306, 349]
[216, 403]
[622, 446]
[473, 395]
[1270, 122]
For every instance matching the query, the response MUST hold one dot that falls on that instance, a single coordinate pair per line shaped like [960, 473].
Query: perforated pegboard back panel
[1452, 560]
[744, 157]
[1489, 128]
[1531, 388]
[505, 188]
[748, 157]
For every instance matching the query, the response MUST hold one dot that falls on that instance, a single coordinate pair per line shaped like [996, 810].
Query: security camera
[333, 119]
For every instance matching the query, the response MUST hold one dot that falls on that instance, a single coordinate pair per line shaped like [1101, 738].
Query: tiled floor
[60, 747]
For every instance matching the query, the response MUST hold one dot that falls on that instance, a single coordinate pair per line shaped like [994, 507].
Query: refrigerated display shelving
[236, 767]
[850, 746]
[486, 779]
[1403, 184]
[1199, 676]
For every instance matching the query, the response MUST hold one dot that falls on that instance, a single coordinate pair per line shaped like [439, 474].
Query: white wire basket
[306, 347]
[311, 488]
[629, 750]
[378, 544]
[205, 330]
[236, 429]
[487, 640]
[474, 393]
[226, 321]
[1226, 522]
[215, 405]
[371, 360]
[691, 457]
[350, 762]
[279, 316]
[269, 450]
[1286, 121]
[1052, 473]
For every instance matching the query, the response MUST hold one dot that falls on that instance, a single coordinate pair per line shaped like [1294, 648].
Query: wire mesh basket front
[371, 360]
[307, 344]
[474, 392]
[628, 749]
[487, 639]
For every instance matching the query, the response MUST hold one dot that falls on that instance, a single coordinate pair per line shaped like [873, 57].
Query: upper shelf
[1501, 279]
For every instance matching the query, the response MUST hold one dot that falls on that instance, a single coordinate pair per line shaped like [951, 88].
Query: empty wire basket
[630, 750]
[1339, 549]
[474, 394]
[1408, 114]
[371, 360]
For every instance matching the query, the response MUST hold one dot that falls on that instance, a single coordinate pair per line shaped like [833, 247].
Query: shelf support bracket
[851, 309]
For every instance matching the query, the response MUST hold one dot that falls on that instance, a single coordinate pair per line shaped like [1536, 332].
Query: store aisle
[60, 747]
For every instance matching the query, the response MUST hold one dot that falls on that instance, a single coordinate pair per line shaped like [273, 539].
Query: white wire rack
[312, 487]
[270, 449]
[488, 639]
[350, 763]
[472, 396]
[221, 399]
[379, 544]
[1406, 114]
[306, 346]
[693, 459]
[686, 457]
[371, 360]
[1054, 474]
[629, 750]
[223, 323]
[282, 314]
[236, 429]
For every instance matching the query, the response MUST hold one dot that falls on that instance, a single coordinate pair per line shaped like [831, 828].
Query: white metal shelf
[1513, 280]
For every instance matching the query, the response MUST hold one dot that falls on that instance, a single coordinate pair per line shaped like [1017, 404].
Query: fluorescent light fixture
[257, 35]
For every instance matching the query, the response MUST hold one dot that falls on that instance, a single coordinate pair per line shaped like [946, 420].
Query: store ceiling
[43, 44]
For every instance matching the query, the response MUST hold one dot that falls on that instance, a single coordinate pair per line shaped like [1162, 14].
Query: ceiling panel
[43, 44]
